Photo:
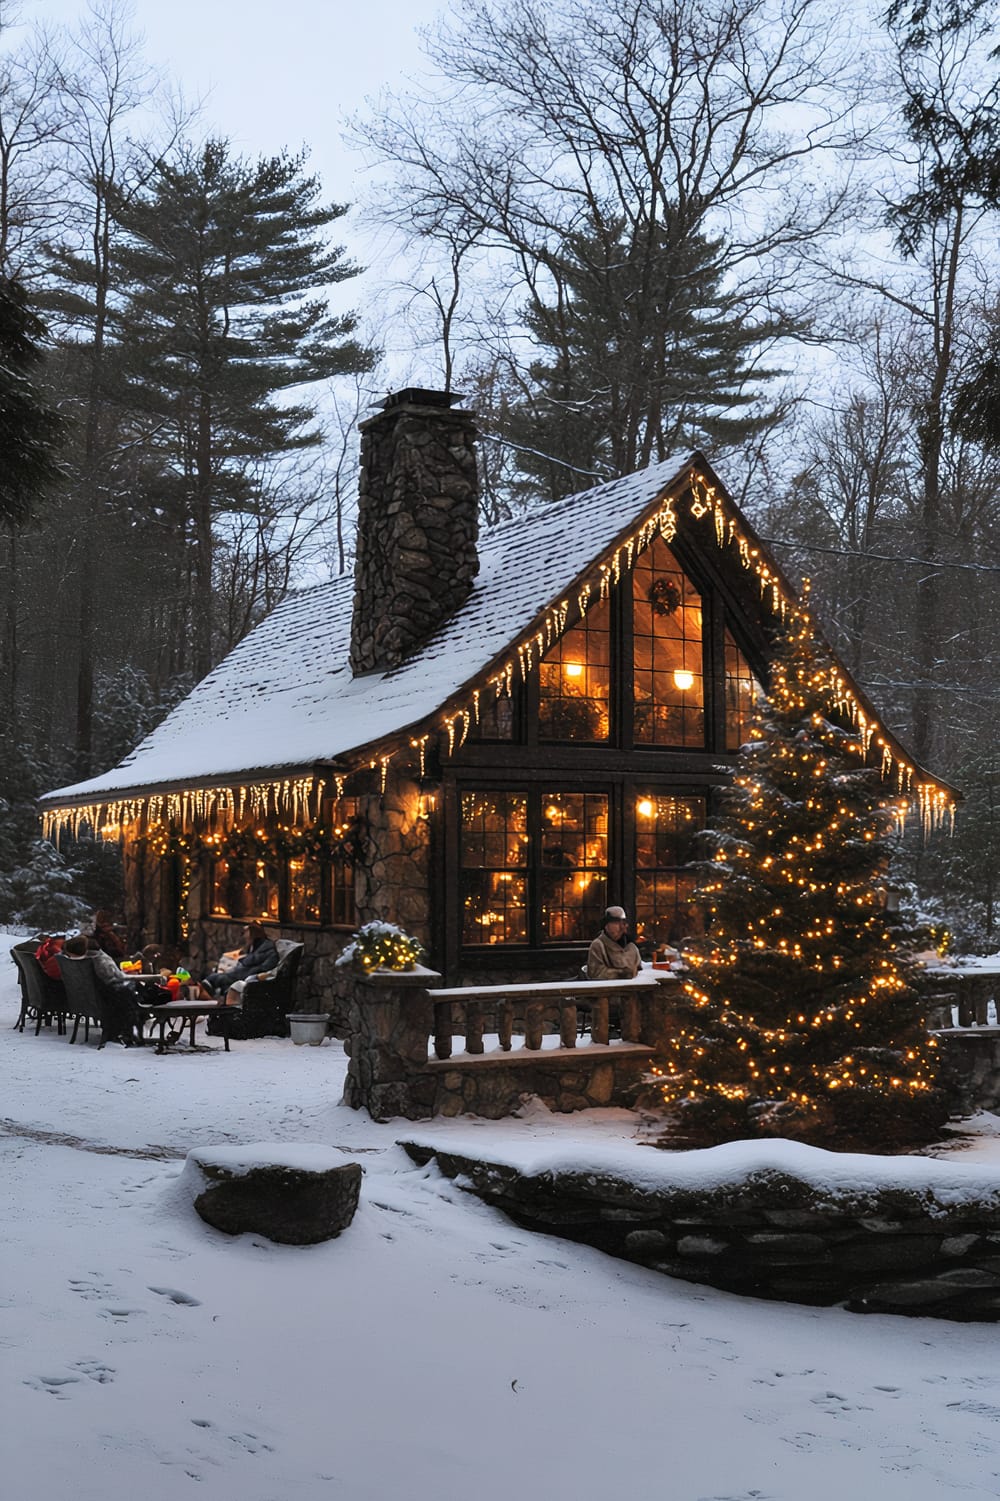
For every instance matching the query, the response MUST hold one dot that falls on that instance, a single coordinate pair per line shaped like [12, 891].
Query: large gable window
[574, 691]
[743, 693]
[668, 652]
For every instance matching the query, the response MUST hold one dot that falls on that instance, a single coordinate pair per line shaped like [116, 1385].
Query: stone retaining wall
[972, 1062]
[891, 1250]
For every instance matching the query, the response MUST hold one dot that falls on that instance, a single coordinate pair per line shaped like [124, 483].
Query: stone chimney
[418, 522]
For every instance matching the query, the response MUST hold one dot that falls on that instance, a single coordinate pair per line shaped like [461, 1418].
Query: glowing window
[743, 693]
[575, 681]
[494, 882]
[573, 877]
[668, 651]
[665, 827]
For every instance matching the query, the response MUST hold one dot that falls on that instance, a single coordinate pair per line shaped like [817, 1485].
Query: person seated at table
[105, 936]
[258, 955]
[123, 1018]
[51, 944]
[612, 955]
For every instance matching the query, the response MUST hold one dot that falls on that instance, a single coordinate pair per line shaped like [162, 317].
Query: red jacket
[46, 955]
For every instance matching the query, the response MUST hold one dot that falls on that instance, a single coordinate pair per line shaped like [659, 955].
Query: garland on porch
[334, 841]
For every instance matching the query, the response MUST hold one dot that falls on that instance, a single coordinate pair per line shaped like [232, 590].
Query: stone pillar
[390, 1020]
[418, 524]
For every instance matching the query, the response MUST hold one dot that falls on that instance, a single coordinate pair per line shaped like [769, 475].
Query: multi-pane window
[274, 887]
[574, 689]
[665, 826]
[743, 692]
[668, 651]
[534, 866]
[494, 878]
[573, 877]
[246, 888]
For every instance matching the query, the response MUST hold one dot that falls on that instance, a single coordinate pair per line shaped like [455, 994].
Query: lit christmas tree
[801, 1018]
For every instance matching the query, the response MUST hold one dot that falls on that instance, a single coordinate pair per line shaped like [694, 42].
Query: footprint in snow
[176, 1296]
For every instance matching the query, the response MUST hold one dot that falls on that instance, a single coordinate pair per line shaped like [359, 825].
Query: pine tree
[223, 266]
[645, 353]
[801, 1018]
[29, 428]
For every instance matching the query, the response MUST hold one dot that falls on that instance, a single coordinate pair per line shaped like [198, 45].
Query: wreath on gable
[664, 596]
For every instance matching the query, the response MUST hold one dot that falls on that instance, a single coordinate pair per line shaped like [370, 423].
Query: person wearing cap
[612, 954]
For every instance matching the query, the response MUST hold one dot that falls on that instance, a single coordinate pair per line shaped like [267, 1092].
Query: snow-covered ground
[435, 1350]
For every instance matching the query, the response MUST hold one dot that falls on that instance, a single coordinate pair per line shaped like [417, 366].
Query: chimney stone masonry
[418, 523]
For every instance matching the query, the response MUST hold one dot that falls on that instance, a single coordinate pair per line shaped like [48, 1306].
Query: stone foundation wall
[889, 1250]
[972, 1063]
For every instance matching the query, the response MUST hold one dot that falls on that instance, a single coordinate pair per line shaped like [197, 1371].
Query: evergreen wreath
[664, 596]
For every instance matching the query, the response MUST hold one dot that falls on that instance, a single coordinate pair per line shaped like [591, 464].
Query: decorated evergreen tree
[801, 1017]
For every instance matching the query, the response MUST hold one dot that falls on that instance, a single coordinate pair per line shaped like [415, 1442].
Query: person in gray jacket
[613, 956]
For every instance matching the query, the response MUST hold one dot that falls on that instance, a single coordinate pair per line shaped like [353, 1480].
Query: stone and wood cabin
[483, 739]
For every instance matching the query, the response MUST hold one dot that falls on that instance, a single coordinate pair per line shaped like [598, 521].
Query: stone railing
[573, 1044]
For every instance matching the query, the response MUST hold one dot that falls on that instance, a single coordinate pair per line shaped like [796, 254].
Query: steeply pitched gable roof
[285, 701]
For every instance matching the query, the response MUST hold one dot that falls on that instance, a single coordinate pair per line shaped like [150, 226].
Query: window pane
[343, 908]
[494, 856]
[303, 890]
[665, 827]
[743, 692]
[265, 890]
[668, 651]
[573, 879]
[496, 717]
[575, 681]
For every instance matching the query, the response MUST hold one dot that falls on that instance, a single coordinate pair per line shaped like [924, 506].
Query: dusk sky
[278, 73]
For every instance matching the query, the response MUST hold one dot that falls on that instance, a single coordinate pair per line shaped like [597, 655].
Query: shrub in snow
[40, 892]
[381, 945]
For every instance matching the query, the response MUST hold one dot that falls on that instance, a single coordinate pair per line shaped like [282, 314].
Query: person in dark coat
[258, 956]
[105, 936]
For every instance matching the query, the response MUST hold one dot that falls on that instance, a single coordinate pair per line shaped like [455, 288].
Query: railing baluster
[505, 1023]
[442, 1029]
[599, 1030]
[631, 1019]
[567, 1024]
[473, 1027]
[534, 1020]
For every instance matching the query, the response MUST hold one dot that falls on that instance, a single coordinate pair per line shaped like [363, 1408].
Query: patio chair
[84, 1001]
[264, 1003]
[42, 999]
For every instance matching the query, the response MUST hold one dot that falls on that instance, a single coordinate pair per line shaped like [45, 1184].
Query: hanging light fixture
[683, 679]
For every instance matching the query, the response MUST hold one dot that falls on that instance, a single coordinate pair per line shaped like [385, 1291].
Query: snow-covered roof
[285, 697]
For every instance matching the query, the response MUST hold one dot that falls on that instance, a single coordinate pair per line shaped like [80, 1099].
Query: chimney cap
[418, 396]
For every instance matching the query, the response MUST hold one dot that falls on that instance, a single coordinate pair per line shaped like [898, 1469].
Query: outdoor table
[186, 1012]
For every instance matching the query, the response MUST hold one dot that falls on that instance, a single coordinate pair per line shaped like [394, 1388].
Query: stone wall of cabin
[392, 884]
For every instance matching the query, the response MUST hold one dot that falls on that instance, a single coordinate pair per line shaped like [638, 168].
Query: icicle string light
[935, 804]
[296, 798]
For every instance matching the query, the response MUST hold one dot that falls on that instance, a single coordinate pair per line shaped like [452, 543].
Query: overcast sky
[278, 73]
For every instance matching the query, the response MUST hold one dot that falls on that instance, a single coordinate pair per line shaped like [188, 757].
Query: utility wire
[881, 557]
